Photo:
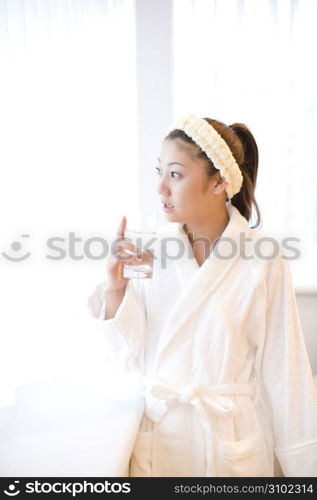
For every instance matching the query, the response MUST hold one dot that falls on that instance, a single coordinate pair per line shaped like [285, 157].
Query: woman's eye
[173, 174]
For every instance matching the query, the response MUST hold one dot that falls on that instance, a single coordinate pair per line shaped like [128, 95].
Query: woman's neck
[204, 234]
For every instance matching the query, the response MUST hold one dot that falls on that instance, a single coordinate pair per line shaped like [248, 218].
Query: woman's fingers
[121, 228]
[115, 264]
[125, 251]
[126, 248]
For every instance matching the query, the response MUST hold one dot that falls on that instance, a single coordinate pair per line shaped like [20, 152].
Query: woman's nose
[163, 188]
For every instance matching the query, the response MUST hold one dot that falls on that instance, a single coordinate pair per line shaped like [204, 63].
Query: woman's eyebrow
[173, 163]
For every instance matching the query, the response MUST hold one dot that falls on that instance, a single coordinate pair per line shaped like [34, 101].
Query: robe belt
[160, 396]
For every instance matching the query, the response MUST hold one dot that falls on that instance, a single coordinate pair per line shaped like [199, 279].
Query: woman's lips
[167, 207]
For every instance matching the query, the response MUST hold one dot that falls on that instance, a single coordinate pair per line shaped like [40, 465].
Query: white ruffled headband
[208, 139]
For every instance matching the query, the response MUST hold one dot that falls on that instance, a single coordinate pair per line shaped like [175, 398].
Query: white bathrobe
[227, 384]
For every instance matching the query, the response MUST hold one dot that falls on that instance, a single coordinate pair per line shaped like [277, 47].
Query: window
[252, 62]
[68, 160]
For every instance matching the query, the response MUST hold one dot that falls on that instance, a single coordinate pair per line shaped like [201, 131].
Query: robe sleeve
[125, 332]
[287, 377]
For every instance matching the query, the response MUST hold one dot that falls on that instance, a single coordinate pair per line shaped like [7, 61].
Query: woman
[215, 334]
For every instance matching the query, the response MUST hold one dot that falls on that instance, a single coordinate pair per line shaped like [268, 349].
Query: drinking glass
[140, 230]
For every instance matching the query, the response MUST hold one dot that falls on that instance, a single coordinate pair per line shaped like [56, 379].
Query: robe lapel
[201, 282]
[187, 266]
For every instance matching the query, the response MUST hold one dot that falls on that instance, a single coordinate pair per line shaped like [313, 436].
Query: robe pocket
[141, 458]
[244, 458]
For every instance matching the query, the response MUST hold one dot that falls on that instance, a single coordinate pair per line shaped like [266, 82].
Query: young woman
[215, 334]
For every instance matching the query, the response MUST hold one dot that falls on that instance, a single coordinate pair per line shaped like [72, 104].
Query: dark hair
[245, 151]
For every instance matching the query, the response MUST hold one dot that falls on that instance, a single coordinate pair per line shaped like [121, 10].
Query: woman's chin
[171, 216]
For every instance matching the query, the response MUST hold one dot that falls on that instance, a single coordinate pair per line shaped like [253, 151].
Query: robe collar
[201, 282]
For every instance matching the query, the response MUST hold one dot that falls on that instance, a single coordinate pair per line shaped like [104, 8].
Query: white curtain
[253, 62]
[68, 169]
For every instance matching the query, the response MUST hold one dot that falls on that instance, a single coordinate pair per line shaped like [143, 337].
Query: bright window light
[252, 62]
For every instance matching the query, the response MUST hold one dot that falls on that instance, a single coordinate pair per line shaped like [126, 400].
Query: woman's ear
[220, 184]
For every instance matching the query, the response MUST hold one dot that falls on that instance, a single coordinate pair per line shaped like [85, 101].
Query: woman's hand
[116, 283]
[114, 267]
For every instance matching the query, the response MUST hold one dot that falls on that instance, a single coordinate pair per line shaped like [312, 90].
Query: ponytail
[245, 199]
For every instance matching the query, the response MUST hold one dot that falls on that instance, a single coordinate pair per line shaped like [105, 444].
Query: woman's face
[183, 184]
